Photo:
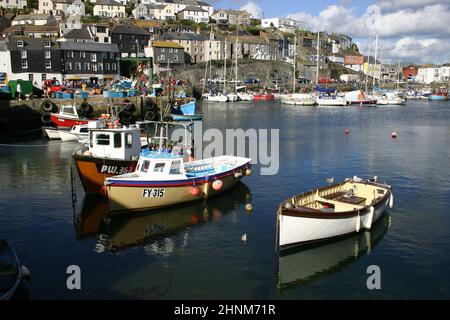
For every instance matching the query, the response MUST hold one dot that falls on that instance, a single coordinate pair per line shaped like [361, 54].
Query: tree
[88, 7]
[32, 4]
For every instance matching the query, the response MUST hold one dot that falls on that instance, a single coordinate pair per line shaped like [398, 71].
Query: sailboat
[302, 99]
[241, 91]
[211, 95]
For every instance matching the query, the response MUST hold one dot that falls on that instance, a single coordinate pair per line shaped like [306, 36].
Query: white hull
[331, 102]
[218, 98]
[245, 97]
[231, 97]
[298, 102]
[67, 136]
[53, 133]
[296, 230]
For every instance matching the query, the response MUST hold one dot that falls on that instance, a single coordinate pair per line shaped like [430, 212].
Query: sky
[416, 31]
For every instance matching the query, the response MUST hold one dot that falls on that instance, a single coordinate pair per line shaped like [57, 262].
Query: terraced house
[61, 7]
[109, 9]
[13, 4]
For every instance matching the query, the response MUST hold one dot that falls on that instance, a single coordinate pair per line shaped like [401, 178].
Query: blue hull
[188, 108]
[437, 97]
[182, 117]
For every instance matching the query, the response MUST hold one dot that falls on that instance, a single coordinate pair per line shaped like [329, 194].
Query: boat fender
[394, 134]
[248, 171]
[249, 207]
[195, 191]
[358, 223]
[49, 106]
[391, 201]
[370, 218]
[103, 191]
[237, 174]
[217, 184]
[46, 118]
[87, 153]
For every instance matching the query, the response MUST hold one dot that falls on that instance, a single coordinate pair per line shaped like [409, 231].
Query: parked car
[52, 86]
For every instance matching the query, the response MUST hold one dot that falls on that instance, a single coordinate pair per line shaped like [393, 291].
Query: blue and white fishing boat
[186, 112]
[163, 179]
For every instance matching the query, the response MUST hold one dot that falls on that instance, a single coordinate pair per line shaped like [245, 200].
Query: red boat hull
[263, 97]
[66, 122]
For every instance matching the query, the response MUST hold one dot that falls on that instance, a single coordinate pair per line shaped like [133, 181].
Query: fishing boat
[113, 150]
[53, 133]
[67, 117]
[186, 112]
[12, 272]
[78, 133]
[243, 95]
[333, 211]
[358, 97]
[439, 94]
[162, 180]
[299, 99]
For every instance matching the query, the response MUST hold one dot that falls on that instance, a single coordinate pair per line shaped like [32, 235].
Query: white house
[13, 4]
[34, 19]
[213, 48]
[232, 16]
[109, 9]
[283, 24]
[61, 7]
[196, 14]
[144, 11]
[434, 74]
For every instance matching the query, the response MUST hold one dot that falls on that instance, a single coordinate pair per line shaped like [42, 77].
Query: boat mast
[295, 62]
[374, 63]
[204, 79]
[318, 57]
[236, 58]
[368, 63]
[225, 67]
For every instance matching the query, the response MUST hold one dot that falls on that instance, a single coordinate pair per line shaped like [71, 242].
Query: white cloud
[411, 29]
[254, 9]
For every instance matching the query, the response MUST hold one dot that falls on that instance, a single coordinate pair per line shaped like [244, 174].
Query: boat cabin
[161, 166]
[122, 143]
[69, 110]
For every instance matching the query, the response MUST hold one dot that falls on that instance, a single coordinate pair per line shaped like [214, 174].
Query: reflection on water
[152, 228]
[310, 263]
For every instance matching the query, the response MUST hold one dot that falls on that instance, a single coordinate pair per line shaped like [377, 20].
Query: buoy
[237, 174]
[217, 184]
[249, 207]
[394, 134]
[244, 237]
[195, 191]
[87, 153]
[347, 131]
[391, 201]
[248, 171]
[103, 191]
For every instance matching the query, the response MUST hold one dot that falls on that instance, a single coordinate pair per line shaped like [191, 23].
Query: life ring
[46, 118]
[49, 106]
[150, 115]
[84, 106]
[149, 105]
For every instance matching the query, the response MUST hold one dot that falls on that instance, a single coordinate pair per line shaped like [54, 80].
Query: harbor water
[195, 251]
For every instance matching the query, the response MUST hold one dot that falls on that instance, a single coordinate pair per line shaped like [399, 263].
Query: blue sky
[410, 30]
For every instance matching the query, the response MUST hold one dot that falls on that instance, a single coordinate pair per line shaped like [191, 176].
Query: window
[175, 168]
[129, 140]
[106, 40]
[111, 55]
[103, 139]
[47, 44]
[69, 66]
[86, 66]
[93, 57]
[43, 77]
[113, 65]
[31, 77]
[48, 64]
[69, 54]
[163, 50]
[159, 167]
[23, 54]
[107, 66]
[94, 67]
[170, 50]
[100, 67]
[145, 165]
[104, 55]
[24, 64]
[117, 140]
[78, 66]
[20, 43]
[162, 57]
[82, 54]
[175, 50]
[48, 54]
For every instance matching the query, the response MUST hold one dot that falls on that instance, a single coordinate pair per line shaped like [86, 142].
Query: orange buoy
[217, 184]
[347, 130]
[195, 191]
[394, 134]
